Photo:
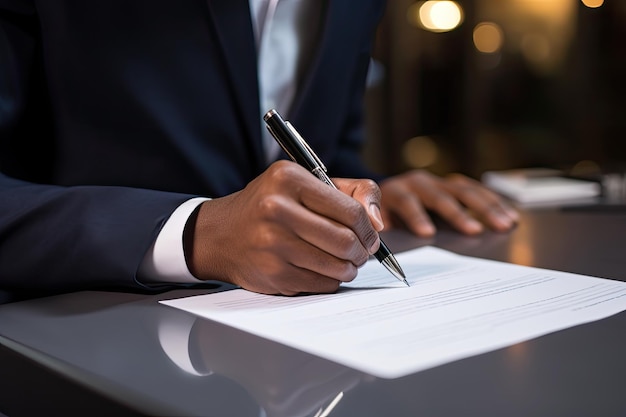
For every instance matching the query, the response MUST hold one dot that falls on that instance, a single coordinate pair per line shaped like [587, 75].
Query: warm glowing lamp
[593, 3]
[436, 15]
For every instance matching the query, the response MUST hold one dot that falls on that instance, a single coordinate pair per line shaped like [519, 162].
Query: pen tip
[393, 266]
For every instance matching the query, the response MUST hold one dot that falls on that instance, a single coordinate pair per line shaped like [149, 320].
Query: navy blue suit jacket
[113, 112]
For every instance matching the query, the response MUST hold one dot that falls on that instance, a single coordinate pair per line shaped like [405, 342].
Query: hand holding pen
[285, 233]
[300, 152]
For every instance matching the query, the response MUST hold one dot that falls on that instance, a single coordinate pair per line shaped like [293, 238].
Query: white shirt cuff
[165, 260]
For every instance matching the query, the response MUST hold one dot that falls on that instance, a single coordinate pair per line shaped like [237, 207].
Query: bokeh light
[488, 37]
[436, 15]
[420, 152]
[593, 3]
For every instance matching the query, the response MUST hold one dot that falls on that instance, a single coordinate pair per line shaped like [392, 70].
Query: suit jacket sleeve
[76, 237]
[53, 237]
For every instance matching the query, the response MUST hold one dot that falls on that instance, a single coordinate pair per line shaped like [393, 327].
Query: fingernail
[378, 218]
[513, 214]
[426, 229]
[505, 221]
[474, 226]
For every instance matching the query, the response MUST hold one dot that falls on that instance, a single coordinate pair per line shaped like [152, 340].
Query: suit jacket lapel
[340, 34]
[233, 25]
[301, 106]
[306, 111]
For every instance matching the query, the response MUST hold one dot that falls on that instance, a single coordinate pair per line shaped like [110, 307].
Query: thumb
[368, 194]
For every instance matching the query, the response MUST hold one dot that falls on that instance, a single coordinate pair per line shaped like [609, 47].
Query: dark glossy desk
[97, 353]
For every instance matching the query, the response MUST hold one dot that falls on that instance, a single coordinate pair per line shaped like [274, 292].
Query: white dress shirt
[283, 29]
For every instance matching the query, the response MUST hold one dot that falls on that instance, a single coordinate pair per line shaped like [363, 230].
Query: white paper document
[456, 307]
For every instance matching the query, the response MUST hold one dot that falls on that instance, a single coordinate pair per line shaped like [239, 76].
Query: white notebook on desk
[537, 185]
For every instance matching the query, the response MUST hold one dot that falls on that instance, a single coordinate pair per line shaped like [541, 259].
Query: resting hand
[459, 200]
[286, 233]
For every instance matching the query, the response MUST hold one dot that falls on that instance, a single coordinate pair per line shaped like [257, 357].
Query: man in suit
[116, 115]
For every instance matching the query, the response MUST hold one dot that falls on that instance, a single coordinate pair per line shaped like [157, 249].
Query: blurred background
[477, 85]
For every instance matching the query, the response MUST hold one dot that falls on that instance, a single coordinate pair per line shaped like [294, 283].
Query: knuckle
[351, 248]
[328, 286]
[346, 242]
[456, 178]
[422, 175]
[369, 237]
[267, 239]
[271, 206]
[357, 216]
[347, 271]
[363, 230]
[359, 262]
[281, 171]
[272, 272]
[371, 187]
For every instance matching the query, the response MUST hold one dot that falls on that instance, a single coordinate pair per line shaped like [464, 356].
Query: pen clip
[306, 146]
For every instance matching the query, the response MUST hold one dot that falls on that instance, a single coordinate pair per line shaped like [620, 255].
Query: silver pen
[300, 152]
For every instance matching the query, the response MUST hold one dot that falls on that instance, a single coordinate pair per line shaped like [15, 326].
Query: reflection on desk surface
[282, 380]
